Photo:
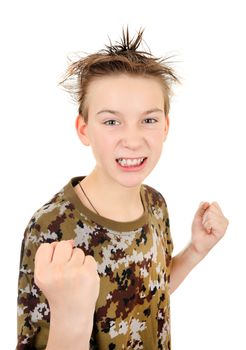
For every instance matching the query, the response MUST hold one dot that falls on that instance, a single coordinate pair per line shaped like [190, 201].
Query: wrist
[195, 255]
[72, 327]
[66, 341]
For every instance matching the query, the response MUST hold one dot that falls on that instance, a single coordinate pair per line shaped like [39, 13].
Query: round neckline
[70, 193]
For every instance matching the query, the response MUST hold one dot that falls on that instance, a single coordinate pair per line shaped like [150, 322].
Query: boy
[96, 266]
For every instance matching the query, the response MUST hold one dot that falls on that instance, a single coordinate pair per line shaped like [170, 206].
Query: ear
[81, 127]
[166, 128]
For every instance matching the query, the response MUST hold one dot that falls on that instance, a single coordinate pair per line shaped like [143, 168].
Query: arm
[208, 227]
[182, 264]
[64, 335]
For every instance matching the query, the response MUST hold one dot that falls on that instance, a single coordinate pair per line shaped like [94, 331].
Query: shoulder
[154, 197]
[156, 203]
[160, 217]
[48, 221]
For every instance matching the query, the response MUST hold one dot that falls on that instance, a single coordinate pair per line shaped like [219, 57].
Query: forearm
[65, 335]
[182, 264]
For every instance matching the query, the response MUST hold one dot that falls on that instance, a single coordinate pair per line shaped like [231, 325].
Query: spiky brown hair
[123, 57]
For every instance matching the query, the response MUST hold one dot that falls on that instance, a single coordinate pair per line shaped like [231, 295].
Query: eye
[111, 122]
[150, 120]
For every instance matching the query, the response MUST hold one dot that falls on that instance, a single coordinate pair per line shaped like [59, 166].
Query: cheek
[156, 141]
[103, 145]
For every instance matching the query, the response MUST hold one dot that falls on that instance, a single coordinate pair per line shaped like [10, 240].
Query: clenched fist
[69, 280]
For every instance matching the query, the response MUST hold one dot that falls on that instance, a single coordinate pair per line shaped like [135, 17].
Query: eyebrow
[119, 113]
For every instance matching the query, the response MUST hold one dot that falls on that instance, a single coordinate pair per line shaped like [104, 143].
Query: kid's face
[126, 127]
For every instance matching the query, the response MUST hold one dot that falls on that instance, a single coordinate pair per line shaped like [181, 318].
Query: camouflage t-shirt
[133, 259]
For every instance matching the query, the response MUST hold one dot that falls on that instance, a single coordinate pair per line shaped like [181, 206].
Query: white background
[203, 158]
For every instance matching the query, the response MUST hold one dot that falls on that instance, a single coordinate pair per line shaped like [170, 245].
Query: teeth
[130, 162]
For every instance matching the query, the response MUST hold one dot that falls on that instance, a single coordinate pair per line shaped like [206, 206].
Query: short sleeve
[33, 312]
[167, 235]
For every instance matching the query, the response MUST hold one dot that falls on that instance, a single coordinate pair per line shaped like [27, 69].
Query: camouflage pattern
[134, 260]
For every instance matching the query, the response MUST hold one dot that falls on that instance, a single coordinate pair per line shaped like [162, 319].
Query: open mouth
[131, 162]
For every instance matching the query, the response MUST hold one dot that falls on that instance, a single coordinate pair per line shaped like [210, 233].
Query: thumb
[203, 206]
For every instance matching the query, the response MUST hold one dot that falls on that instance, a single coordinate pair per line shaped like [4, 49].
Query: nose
[132, 138]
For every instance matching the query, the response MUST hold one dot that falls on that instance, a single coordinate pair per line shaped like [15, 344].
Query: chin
[131, 181]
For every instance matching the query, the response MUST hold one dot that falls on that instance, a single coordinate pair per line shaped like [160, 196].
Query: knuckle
[43, 247]
[91, 262]
[62, 243]
[78, 251]
[40, 278]
[90, 259]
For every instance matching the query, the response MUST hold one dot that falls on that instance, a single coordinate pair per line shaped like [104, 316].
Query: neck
[111, 199]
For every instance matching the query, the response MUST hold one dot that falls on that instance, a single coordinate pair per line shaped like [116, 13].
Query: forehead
[124, 88]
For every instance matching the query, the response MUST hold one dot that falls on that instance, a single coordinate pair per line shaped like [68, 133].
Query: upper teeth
[125, 161]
